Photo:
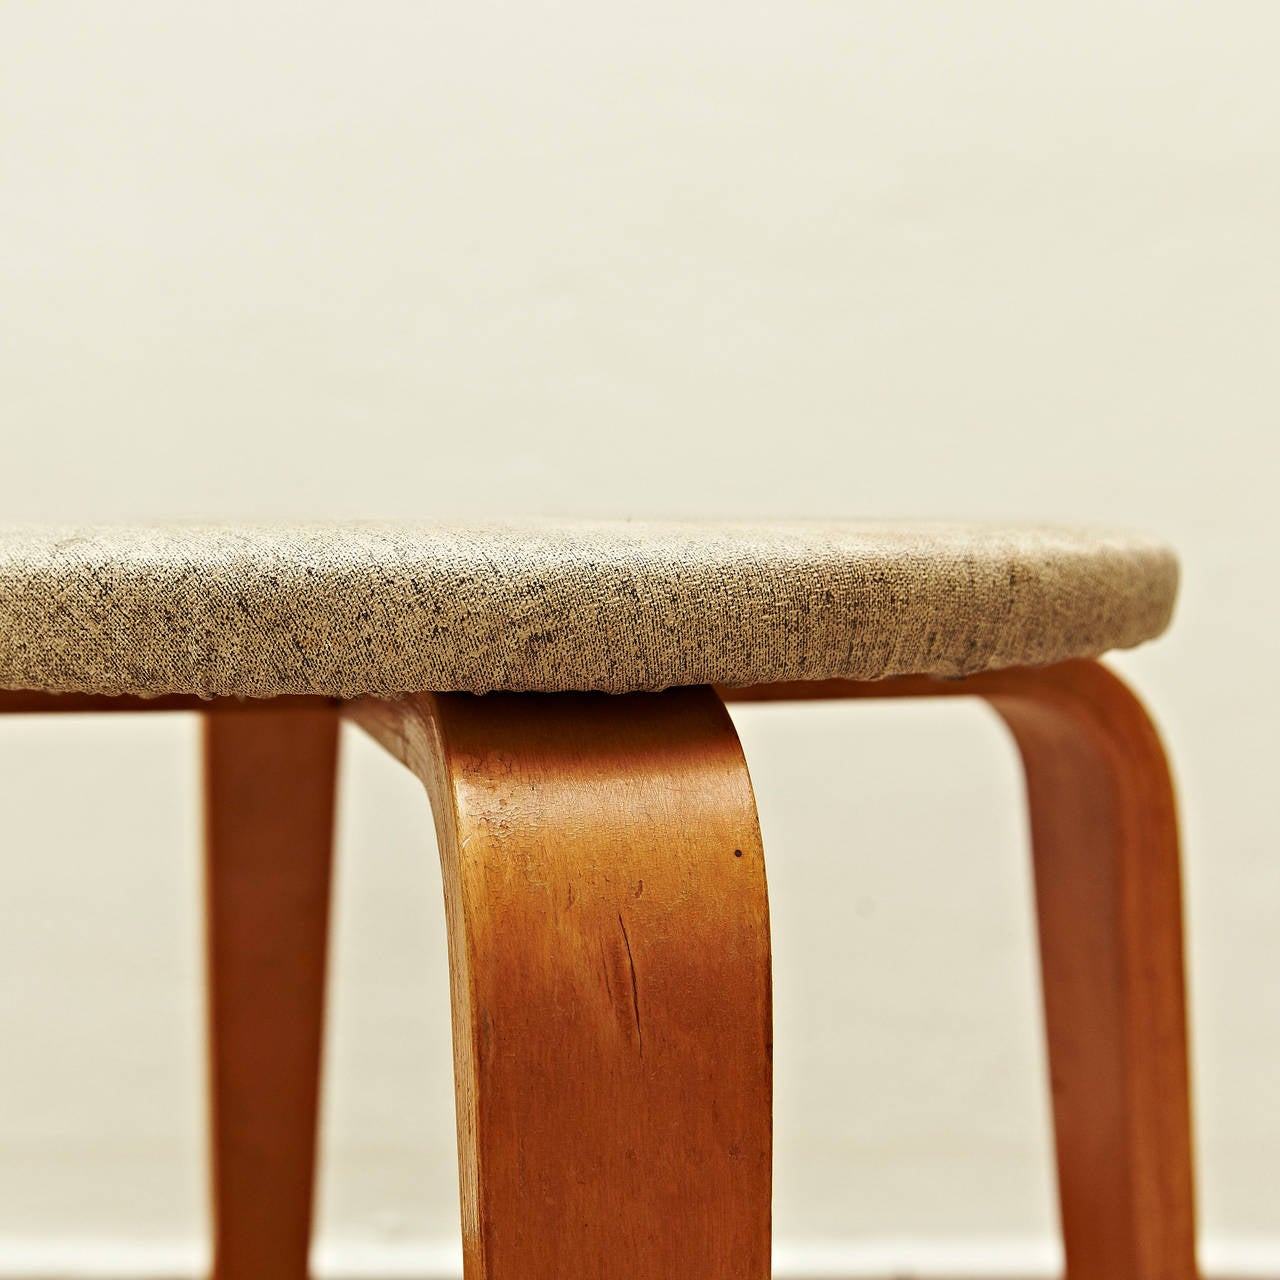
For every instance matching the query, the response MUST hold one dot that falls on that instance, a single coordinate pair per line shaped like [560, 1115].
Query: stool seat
[372, 608]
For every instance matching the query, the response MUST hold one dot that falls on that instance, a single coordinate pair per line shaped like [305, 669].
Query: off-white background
[404, 259]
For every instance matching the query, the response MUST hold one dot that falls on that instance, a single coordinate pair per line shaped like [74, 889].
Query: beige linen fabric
[384, 609]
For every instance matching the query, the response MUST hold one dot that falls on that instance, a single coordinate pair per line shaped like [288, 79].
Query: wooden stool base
[609, 954]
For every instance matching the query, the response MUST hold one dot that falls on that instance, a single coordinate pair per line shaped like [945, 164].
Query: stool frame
[610, 974]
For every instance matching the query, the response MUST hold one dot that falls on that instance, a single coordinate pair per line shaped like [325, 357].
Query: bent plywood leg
[609, 947]
[269, 775]
[1105, 842]
[1109, 904]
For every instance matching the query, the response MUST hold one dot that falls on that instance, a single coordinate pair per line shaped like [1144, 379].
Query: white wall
[881, 258]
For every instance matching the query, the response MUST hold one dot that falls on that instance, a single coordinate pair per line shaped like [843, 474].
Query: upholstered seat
[348, 609]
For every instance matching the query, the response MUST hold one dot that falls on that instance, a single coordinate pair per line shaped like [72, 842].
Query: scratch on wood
[604, 969]
[635, 990]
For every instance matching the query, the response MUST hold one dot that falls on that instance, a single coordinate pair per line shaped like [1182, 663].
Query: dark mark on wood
[635, 989]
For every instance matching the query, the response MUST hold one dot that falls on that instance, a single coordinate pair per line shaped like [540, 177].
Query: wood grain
[269, 786]
[1105, 843]
[610, 972]
[609, 950]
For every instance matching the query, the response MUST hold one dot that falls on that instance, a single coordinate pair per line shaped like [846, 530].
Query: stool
[603, 872]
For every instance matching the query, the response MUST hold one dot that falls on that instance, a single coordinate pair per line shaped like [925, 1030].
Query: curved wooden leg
[1105, 839]
[1109, 903]
[269, 774]
[609, 947]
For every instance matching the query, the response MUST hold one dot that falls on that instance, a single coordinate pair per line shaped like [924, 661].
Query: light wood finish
[610, 969]
[609, 950]
[1105, 841]
[270, 775]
